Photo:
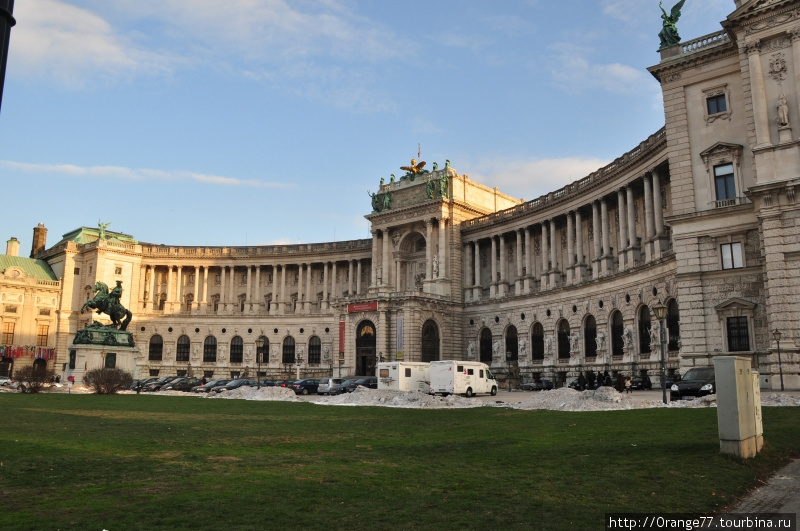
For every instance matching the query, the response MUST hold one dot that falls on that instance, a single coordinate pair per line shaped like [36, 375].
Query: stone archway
[366, 343]
[430, 341]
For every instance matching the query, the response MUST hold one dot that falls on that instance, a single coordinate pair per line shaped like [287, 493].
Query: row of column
[387, 269]
[547, 271]
[227, 299]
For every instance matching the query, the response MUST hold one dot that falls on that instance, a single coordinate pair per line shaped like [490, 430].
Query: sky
[257, 122]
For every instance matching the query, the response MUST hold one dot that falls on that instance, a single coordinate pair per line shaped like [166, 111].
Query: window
[41, 335]
[512, 344]
[118, 270]
[262, 354]
[156, 349]
[486, 345]
[182, 353]
[471, 372]
[407, 370]
[716, 104]
[72, 355]
[731, 255]
[738, 334]
[563, 340]
[537, 342]
[617, 330]
[590, 337]
[210, 350]
[237, 347]
[673, 325]
[288, 350]
[44, 312]
[314, 350]
[724, 182]
[644, 330]
[8, 334]
[76, 271]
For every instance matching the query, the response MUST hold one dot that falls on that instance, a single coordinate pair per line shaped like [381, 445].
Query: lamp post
[777, 335]
[661, 311]
[259, 354]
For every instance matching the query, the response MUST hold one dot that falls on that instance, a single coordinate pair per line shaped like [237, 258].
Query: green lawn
[147, 462]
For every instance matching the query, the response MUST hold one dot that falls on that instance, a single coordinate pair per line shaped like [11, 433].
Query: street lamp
[660, 312]
[777, 335]
[259, 354]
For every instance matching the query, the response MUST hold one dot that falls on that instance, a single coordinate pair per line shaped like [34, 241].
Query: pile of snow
[363, 396]
[779, 400]
[602, 399]
[280, 394]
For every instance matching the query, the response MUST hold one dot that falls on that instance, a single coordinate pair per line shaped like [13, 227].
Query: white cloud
[531, 178]
[572, 71]
[121, 173]
[75, 46]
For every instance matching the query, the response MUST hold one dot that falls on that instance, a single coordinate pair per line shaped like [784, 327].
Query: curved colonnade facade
[701, 217]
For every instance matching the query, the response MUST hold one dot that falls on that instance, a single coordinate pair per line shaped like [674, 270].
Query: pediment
[14, 272]
[753, 6]
[722, 147]
[735, 304]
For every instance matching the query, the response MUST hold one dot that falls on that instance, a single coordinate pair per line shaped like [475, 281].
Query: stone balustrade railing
[705, 42]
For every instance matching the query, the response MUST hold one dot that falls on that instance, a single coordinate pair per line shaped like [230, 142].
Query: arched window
[210, 350]
[617, 330]
[644, 330]
[590, 337]
[156, 349]
[563, 339]
[486, 346]
[314, 350]
[237, 349]
[262, 354]
[430, 341]
[182, 354]
[512, 344]
[537, 342]
[673, 325]
[288, 350]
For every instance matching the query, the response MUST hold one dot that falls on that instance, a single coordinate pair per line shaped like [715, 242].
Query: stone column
[350, 278]
[758, 92]
[179, 290]
[518, 282]
[607, 260]
[248, 294]
[580, 266]
[222, 286]
[398, 275]
[333, 281]
[469, 268]
[570, 249]
[545, 257]
[477, 288]
[442, 247]
[257, 296]
[234, 299]
[493, 262]
[301, 294]
[634, 253]
[374, 271]
[170, 294]
[196, 299]
[282, 303]
[428, 250]
[502, 286]
[204, 301]
[661, 243]
[358, 279]
[154, 296]
[325, 285]
[528, 274]
[597, 230]
[555, 275]
[308, 305]
[622, 251]
[649, 222]
[386, 261]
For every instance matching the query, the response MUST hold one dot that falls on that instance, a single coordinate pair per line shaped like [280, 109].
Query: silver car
[326, 384]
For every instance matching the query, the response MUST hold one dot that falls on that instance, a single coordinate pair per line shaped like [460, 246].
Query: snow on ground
[403, 399]
[280, 394]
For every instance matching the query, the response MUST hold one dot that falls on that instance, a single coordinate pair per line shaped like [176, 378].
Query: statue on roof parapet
[669, 33]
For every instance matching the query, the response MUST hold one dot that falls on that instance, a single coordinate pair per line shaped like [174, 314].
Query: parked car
[537, 385]
[208, 386]
[142, 383]
[305, 387]
[641, 384]
[672, 379]
[325, 385]
[341, 387]
[182, 384]
[234, 384]
[697, 382]
[370, 382]
[158, 384]
[5, 380]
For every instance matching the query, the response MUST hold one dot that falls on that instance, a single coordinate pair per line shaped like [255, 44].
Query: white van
[404, 376]
[461, 378]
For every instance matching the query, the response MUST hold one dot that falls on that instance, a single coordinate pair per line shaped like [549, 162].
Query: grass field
[132, 462]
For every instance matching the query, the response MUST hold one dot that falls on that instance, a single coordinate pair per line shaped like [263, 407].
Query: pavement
[781, 494]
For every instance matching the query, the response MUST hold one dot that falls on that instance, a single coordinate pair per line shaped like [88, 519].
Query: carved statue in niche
[435, 266]
[523, 347]
[627, 338]
[496, 349]
[783, 112]
[248, 353]
[548, 346]
[195, 353]
[471, 350]
[654, 333]
[600, 340]
[574, 342]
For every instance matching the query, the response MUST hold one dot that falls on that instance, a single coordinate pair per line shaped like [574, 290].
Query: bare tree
[33, 379]
[108, 381]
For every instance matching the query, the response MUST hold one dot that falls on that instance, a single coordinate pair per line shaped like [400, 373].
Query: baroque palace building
[701, 217]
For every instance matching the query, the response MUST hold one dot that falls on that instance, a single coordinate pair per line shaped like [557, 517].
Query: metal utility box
[738, 406]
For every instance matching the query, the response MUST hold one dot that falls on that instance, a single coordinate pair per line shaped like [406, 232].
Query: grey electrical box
[738, 406]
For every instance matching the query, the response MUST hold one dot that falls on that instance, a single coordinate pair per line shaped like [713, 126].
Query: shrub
[108, 381]
[32, 379]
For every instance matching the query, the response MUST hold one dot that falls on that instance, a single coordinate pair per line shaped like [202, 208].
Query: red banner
[341, 336]
[362, 307]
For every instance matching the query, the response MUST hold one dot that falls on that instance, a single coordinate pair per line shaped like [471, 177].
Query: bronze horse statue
[107, 302]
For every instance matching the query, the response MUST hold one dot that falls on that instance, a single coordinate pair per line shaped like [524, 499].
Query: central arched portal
[365, 349]
[430, 341]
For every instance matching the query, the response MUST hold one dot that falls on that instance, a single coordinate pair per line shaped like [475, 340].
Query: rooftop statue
[669, 33]
[414, 168]
[102, 228]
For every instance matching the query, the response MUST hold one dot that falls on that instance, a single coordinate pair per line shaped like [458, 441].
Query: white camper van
[461, 378]
[404, 376]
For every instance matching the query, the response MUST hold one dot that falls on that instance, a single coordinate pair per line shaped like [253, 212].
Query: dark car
[158, 384]
[234, 384]
[182, 384]
[141, 383]
[639, 383]
[697, 382]
[208, 386]
[341, 387]
[537, 385]
[305, 387]
[284, 383]
[370, 382]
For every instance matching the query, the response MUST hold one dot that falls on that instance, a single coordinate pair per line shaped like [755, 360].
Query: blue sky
[247, 122]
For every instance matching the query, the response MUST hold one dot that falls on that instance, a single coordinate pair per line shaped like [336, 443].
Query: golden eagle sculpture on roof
[414, 168]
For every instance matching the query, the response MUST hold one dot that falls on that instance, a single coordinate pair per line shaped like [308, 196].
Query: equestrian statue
[107, 302]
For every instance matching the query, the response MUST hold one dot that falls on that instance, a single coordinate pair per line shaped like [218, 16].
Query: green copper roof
[89, 234]
[32, 267]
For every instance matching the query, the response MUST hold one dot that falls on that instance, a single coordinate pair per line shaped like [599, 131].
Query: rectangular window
[731, 255]
[118, 270]
[44, 311]
[738, 335]
[460, 368]
[111, 360]
[77, 271]
[41, 335]
[8, 334]
[408, 372]
[470, 372]
[724, 183]
[716, 104]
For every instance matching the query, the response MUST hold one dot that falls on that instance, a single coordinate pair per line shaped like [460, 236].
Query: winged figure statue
[415, 167]
[669, 33]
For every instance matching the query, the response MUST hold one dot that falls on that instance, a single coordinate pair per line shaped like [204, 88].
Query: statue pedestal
[98, 346]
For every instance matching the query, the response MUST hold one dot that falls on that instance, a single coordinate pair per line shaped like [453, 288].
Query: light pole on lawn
[777, 335]
[259, 354]
[661, 311]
